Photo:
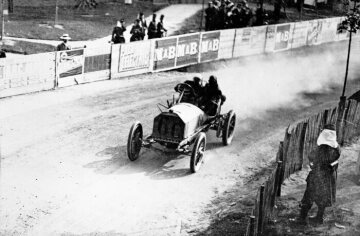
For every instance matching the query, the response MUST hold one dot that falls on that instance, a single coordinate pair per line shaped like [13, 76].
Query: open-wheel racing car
[182, 127]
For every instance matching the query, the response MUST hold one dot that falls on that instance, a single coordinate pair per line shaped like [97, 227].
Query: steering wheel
[183, 87]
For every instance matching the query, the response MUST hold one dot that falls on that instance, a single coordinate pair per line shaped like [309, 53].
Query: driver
[197, 85]
[212, 93]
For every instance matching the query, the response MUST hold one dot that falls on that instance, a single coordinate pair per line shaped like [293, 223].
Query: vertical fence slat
[261, 209]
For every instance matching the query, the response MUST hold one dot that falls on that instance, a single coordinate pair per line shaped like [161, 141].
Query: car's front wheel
[197, 154]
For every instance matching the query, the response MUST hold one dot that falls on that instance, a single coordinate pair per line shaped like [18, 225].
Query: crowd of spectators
[224, 14]
[140, 29]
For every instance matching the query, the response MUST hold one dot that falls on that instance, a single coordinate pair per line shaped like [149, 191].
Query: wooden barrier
[299, 141]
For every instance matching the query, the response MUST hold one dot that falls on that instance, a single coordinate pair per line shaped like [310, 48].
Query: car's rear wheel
[197, 154]
[134, 141]
[229, 128]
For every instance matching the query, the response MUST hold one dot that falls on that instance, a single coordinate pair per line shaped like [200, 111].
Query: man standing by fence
[161, 31]
[152, 30]
[321, 181]
[64, 45]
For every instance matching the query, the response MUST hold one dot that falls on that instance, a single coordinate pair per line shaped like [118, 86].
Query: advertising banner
[209, 49]
[134, 56]
[70, 63]
[187, 51]
[258, 37]
[314, 30]
[165, 53]
[282, 37]
[328, 30]
[26, 74]
[249, 41]
[299, 34]
[227, 39]
[270, 38]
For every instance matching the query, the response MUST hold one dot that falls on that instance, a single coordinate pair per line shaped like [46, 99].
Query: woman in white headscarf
[321, 181]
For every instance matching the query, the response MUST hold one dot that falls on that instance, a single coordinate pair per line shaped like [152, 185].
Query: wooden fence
[298, 143]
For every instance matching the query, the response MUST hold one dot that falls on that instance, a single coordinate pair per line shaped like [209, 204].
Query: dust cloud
[256, 84]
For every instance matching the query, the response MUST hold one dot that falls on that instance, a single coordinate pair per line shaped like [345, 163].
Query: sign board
[165, 53]
[328, 30]
[187, 50]
[134, 56]
[282, 37]
[270, 38]
[314, 30]
[70, 67]
[250, 41]
[70, 63]
[210, 44]
[299, 34]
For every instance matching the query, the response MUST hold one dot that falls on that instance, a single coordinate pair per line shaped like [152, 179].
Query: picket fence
[298, 143]
[59, 69]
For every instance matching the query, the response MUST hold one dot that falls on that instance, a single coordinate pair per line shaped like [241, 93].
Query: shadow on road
[154, 163]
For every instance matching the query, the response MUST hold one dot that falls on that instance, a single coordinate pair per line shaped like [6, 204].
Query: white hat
[65, 36]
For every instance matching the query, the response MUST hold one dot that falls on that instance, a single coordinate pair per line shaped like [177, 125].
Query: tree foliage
[351, 23]
[86, 4]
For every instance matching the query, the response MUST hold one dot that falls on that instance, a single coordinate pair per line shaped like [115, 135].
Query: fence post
[261, 210]
[301, 145]
[339, 120]
[265, 43]
[56, 82]
[252, 226]
[344, 124]
[278, 179]
[233, 46]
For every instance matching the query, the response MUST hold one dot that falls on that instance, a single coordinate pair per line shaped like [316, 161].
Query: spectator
[152, 30]
[259, 13]
[210, 17]
[161, 31]
[64, 45]
[235, 17]
[118, 32]
[2, 54]
[136, 31]
[143, 24]
[321, 181]
[221, 15]
[277, 9]
[229, 6]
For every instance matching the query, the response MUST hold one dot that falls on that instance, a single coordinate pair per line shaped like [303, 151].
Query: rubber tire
[200, 142]
[136, 127]
[230, 120]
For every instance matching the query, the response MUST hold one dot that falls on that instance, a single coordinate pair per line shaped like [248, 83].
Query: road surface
[64, 169]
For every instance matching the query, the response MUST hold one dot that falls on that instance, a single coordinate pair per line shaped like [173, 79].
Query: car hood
[187, 112]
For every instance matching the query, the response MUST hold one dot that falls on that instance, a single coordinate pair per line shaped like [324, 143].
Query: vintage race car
[182, 127]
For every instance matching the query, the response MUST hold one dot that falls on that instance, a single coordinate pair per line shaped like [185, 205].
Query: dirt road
[64, 169]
